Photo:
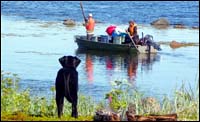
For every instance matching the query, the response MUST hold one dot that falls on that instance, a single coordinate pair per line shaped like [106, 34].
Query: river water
[33, 38]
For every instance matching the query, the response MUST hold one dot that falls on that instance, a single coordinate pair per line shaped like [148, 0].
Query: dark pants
[89, 36]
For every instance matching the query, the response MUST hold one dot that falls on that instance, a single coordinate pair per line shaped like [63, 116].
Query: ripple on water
[40, 53]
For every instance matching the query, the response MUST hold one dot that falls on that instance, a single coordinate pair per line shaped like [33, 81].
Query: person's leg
[127, 39]
[89, 36]
[111, 41]
[136, 39]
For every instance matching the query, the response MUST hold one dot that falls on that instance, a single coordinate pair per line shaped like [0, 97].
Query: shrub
[19, 105]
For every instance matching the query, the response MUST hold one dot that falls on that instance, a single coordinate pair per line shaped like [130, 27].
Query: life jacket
[131, 29]
[90, 25]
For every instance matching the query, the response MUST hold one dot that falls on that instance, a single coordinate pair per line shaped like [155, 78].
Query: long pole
[132, 41]
[83, 12]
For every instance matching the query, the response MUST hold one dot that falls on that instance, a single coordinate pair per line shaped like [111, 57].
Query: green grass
[17, 105]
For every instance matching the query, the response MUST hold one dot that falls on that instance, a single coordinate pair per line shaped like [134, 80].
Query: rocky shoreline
[160, 23]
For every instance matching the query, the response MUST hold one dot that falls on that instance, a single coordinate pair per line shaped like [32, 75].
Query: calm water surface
[32, 43]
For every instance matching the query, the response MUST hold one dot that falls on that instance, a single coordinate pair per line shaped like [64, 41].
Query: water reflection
[116, 63]
[89, 68]
[132, 63]
[147, 61]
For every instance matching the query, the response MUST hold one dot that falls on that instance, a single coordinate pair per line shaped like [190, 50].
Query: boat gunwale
[127, 47]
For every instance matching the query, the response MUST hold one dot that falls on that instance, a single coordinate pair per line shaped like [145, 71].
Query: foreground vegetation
[19, 105]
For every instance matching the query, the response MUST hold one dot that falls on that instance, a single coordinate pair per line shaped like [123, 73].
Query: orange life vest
[90, 25]
[131, 29]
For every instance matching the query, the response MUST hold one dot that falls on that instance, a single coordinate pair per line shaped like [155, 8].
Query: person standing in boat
[90, 23]
[132, 30]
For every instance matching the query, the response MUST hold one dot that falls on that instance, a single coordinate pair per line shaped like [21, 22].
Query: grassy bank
[17, 105]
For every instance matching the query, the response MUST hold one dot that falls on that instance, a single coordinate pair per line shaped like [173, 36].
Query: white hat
[90, 15]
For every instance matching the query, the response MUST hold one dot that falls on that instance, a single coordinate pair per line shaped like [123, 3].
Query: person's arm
[86, 20]
[128, 29]
[87, 23]
[135, 30]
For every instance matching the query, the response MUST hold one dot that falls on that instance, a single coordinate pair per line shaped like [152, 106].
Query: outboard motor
[148, 39]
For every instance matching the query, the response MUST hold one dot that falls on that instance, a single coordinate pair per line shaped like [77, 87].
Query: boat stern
[146, 49]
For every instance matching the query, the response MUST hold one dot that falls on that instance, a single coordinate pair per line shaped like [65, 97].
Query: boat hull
[101, 46]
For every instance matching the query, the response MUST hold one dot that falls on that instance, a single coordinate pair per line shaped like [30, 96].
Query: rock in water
[180, 26]
[175, 44]
[69, 22]
[160, 23]
[195, 27]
